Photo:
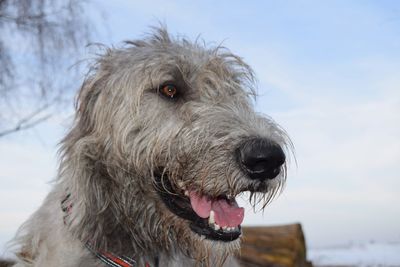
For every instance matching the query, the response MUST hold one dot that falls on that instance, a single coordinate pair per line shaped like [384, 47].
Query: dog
[164, 139]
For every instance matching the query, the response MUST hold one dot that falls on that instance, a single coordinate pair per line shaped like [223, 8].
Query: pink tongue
[227, 213]
[200, 204]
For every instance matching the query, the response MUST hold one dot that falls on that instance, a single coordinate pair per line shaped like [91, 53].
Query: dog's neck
[118, 233]
[106, 257]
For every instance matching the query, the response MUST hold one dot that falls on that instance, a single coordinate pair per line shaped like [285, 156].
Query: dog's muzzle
[219, 217]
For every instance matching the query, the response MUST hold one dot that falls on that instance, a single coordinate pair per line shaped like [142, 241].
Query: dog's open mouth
[215, 218]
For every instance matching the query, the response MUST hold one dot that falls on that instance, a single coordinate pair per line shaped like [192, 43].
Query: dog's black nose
[261, 159]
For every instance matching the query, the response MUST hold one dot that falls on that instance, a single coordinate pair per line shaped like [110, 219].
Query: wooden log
[6, 263]
[275, 246]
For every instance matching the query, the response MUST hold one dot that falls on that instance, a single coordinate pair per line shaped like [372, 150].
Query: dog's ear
[86, 100]
[87, 96]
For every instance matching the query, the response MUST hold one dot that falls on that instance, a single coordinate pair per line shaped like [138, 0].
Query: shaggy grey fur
[124, 131]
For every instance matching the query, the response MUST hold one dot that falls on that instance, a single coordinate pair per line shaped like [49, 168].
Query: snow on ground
[370, 254]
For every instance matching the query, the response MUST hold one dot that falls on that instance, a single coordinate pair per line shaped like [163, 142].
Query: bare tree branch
[27, 122]
[39, 41]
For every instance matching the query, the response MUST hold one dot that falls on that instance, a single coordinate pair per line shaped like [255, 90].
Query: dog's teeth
[217, 227]
[211, 219]
[225, 228]
[186, 193]
[181, 184]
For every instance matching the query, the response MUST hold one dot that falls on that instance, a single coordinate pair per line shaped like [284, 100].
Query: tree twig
[27, 122]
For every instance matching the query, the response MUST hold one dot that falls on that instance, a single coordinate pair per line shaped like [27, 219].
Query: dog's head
[166, 137]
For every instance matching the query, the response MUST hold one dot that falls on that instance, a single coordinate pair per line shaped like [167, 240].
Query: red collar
[112, 260]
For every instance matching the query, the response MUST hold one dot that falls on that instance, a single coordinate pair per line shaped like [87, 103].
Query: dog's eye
[169, 90]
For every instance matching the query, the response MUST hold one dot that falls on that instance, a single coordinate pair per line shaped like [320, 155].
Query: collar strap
[113, 260]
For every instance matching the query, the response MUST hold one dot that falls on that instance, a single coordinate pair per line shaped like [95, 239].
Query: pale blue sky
[329, 73]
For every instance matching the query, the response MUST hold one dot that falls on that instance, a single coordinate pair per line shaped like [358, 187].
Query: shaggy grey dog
[165, 138]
